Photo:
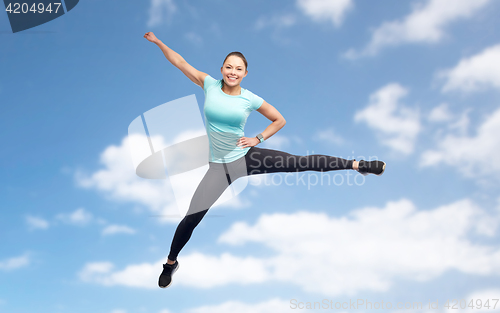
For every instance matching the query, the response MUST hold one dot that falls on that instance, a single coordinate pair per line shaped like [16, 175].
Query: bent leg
[262, 161]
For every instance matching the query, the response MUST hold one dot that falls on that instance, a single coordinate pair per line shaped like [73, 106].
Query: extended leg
[261, 161]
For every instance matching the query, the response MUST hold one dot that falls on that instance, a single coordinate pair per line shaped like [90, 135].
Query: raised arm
[178, 61]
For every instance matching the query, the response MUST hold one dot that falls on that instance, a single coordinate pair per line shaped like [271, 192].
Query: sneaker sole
[383, 170]
[366, 174]
[171, 280]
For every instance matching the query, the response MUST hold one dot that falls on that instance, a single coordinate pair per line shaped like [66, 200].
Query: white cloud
[117, 229]
[397, 126]
[36, 222]
[454, 123]
[320, 10]
[90, 270]
[317, 10]
[473, 156]
[475, 73]
[270, 306]
[14, 263]
[119, 181]
[143, 275]
[157, 10]
[441, 113]
[234, 269]
[276, 21]
[483, 296]
[461, 123]
[278, 142]
[328, 136]
[118, 311]
[366, 250]
[79, 217]
[236, 202]
[426, 24]
[371, 247]
[194, 38]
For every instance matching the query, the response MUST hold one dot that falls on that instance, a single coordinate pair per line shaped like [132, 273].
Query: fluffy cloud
[397, 126]
[441, 113]
[469, 154]
[119, 181]
[79, 217]
[158, 9]
[475, 73]
[277, 21]
[366, 250]
[317, 10]
[278, 142]
[457, 124]
[117, 229]
[483, 296]
[320, 10]
[328, 136]
[36, 222]
[143, 275]
[426, 24]
[194, 38]
[269, 306]
[401, 242]
[14, 263]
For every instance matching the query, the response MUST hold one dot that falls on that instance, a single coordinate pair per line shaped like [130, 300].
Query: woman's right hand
[151, 37]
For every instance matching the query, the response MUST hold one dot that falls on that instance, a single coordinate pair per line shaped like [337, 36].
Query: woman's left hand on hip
[245, 142]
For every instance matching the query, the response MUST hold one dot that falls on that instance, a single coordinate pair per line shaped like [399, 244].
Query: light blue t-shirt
[225, 118]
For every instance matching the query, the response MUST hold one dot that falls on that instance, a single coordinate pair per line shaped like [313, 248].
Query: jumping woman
[231, 154]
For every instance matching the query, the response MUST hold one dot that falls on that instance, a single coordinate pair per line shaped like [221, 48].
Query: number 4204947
[40, 8]
[472, 304]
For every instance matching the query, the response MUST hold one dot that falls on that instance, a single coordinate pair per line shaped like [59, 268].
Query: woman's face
[233, 71]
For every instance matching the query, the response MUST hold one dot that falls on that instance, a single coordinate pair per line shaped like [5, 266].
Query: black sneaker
[166, 276]
[371, 167]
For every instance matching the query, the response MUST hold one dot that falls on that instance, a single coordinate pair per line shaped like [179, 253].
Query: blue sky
[414, 83]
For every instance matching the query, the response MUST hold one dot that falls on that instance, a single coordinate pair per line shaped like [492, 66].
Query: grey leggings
[257, 161]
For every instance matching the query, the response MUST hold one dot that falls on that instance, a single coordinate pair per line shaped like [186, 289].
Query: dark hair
[238, 54]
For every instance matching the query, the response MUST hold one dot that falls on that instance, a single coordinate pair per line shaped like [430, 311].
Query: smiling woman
[231, 154]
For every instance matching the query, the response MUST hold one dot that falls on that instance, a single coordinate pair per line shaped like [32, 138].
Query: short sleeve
[208, 83]
[256, 102]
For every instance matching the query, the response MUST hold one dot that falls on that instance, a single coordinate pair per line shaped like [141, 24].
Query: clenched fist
[151, 37]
